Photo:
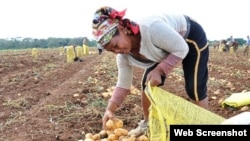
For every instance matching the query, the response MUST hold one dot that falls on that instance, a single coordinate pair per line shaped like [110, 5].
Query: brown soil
[47, 99]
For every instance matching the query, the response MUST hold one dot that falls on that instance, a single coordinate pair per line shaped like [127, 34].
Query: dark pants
[99, 51]
[195, 64]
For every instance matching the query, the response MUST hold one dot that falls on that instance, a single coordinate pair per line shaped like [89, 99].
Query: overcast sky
[72, 18]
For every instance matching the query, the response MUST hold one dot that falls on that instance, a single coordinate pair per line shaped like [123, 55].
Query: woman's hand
[154, 77]
[107, 115]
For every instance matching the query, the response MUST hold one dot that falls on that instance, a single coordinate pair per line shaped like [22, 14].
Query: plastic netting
[70, 54]
[167, 109]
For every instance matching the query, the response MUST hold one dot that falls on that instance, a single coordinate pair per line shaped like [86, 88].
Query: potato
[109, 132]
[127, 138]
[120, 132]
[110, 125]
[118, 123]
[105, 139]
[113, 137]
[114, 123]
[89, 135]
[103, 134]
[123, 138]
[132, 138]
[96, 136]
[142, 138]
[89, 139]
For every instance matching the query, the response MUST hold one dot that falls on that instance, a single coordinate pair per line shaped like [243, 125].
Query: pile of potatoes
[114, 132]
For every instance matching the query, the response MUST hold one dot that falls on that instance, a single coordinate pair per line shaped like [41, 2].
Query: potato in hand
[114, 123]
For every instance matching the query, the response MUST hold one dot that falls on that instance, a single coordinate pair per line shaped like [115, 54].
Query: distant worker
[230, 42]
[246, 50]
[231, 38]
[65, 49]
[99, 47]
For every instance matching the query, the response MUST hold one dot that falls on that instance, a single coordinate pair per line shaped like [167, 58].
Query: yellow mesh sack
[34, 52]
[221, 47]
[231, 49]
[237, 100]
[79, 51]
[70, 54]
[167, 109]
[85, 50]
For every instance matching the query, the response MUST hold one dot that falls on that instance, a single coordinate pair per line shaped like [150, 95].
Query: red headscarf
[105, 22]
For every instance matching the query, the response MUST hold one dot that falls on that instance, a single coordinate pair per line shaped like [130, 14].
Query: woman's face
[120, 43]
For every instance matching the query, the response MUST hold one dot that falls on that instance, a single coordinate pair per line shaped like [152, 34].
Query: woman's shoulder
[161, 18]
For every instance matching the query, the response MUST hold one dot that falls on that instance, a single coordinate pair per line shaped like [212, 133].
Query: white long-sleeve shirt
[160, 36]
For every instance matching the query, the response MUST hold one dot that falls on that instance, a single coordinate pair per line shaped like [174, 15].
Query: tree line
[23, 43]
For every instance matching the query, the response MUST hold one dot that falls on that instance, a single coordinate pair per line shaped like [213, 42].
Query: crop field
[47, 99]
